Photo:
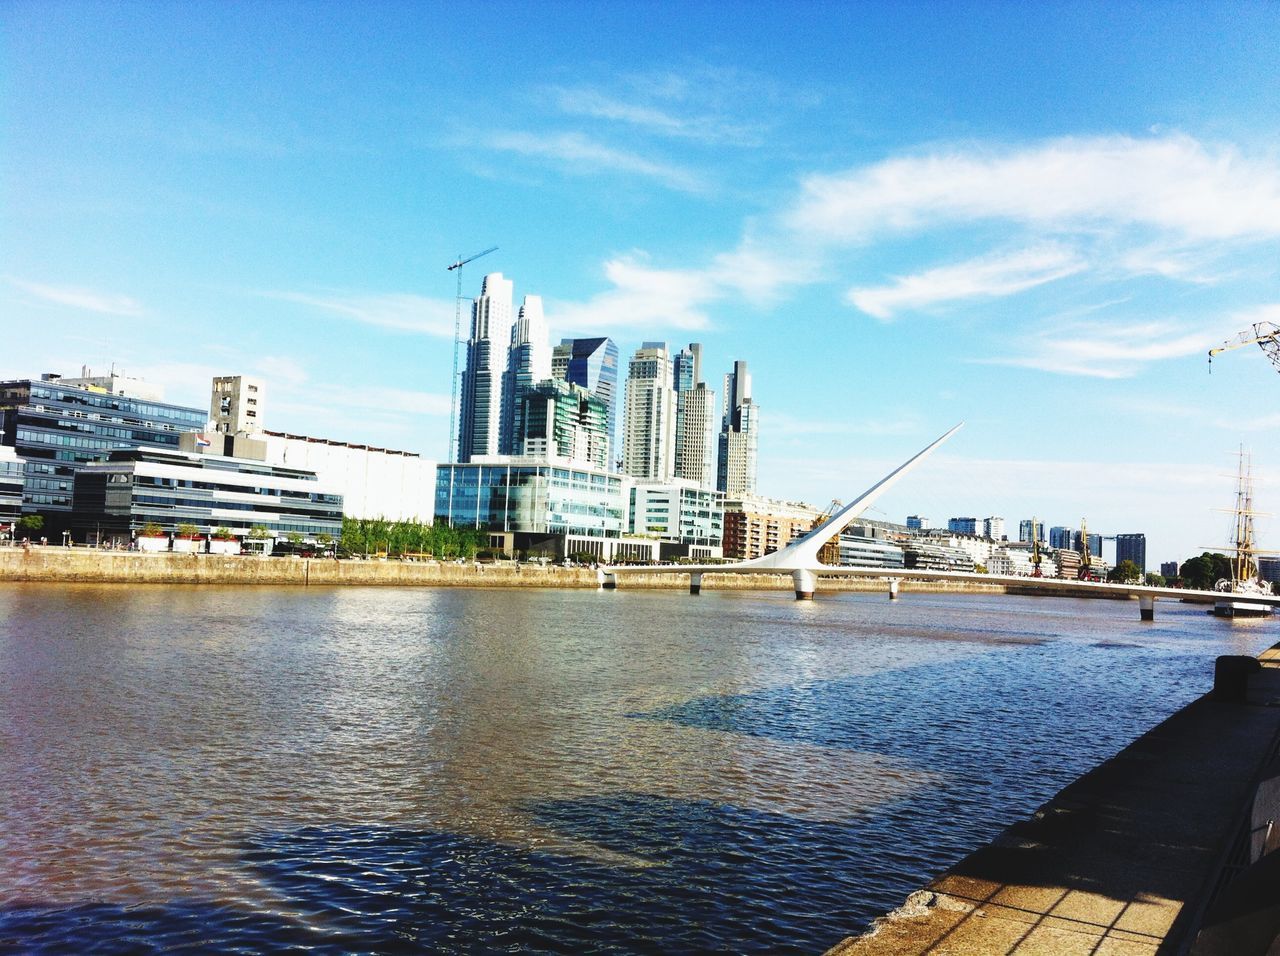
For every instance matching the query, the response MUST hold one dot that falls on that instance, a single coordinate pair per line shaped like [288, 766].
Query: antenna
[455, 385]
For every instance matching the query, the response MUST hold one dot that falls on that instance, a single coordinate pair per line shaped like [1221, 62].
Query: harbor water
[400, 770]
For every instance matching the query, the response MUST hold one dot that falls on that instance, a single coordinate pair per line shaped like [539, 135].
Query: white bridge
[800, 560]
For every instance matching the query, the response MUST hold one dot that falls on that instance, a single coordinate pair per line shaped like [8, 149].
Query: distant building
[237, 405]
[929, 555]
[756, 526]
[687, 518]
[1268, 569]
[1025, 527]
[917, 522]
[993, 528]
[1130, 547]
[1060, 537]
[593, 364]
[695, 452]
[116, 383]
[649, 422]
[863, 551]
[963, 525]
[528, 362]
[739, 436]
[1169, 569]
[480, 412]
[1011, 560]
[136, 487]
[57, 428]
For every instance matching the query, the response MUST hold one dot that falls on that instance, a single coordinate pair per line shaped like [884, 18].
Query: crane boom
[457, 339]
[1266, 335]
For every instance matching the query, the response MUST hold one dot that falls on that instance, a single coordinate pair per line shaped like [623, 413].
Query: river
[484, 771]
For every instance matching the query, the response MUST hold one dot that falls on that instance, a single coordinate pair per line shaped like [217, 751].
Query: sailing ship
[1244, 580]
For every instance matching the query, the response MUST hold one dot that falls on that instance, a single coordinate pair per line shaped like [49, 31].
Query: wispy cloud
[641, 298]
[701, 127]
[578, 154]
[1171, 183]
[401, 312]
[87, 299]
[984, 278]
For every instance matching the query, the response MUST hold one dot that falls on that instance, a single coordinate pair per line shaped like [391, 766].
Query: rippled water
[470, 771]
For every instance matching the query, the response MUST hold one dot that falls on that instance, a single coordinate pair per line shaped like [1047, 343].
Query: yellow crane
[1265, 334]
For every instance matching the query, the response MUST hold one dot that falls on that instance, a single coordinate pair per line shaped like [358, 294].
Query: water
[470, 771]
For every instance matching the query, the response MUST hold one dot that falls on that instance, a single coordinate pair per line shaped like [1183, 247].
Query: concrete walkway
[1123, 861]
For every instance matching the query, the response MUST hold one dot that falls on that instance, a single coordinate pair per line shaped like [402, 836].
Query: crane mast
[455, 386]
[1266, 335]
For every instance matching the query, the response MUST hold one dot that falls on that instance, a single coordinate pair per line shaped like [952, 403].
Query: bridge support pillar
[1146, 607]
[894, 586]
[607, 581]
[806, 583]
[695, 583]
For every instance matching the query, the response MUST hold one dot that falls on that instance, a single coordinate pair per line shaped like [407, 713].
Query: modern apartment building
[563, 420]
[1131, 547]
[528, 362]
[755, 526]
[649, 420]
[695, 451]
[739, 436]
[480, 412]
[592, 364]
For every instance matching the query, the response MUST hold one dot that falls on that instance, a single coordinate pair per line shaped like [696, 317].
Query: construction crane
[1265, 334]
[456, 266]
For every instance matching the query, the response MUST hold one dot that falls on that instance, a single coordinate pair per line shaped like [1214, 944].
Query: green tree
[30, 524]
[259, 532]
[294, 538]
[188, 530]
[223, 533]
[1156, 580]
[1204, 571]
[151, 530]
[1126, 572]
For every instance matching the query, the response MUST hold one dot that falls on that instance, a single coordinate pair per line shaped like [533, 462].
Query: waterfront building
[932, 555]
[1024, 529]
[237, 404]
[11, 474]
[528, 362]
[1169, 569]
[977, 547]
[1095, 546]
[558, 419]
[592, 364]
[687, 518]
[373, 482]
[541, 505]
[963, 525]
[993, 528]
[1131, 547]
[1011, 559]
[917, 522]
[480, 415]
[739, 436]
[649, 422]
[1067, 563]
[57, 428]
[132, 488]
[755, 526]
[865, 551]
[695, 451]
[1060, 537]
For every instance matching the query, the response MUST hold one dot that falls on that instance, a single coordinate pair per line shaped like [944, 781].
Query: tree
[187, 530]
[223, 533]
[294, 538]
[30, 524]
[151, 530]
[1155, 580]
[259, 532]
[1205, 571]
[1126, 572]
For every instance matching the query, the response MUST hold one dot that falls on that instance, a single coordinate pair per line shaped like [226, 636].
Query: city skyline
[968, 223]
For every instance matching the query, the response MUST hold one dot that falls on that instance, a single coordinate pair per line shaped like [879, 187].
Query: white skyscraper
[480, 418]
[739, 435]
[649, 420]
[695, 454]
[528, 362]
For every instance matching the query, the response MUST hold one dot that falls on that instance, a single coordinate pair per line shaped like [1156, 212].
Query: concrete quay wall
[55, 564]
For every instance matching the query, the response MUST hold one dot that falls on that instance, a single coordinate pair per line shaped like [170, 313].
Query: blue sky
[1036, 218]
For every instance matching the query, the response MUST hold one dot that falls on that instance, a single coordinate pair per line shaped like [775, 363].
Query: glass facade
[141, 486]
[526, 495]
[60, 428]
[560, 419]
[592, 364]
[11, 475]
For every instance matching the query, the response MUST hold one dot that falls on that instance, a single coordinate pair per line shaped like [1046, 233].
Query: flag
[202, 441]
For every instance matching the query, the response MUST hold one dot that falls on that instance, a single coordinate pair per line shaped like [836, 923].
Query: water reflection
[480, 770]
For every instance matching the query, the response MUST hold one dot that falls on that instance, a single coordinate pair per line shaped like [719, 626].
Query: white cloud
[703, 127]
[642, 298]
[398, 311]
[1171, 183]
[579, 154]
[986, 277]
[104, 302]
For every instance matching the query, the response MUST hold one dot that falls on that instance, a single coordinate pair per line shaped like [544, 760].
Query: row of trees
[396, 538]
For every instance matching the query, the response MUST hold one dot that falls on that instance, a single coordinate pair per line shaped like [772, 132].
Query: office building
[133, 488]
[1170, 570]
[11, 474]
[237, 405]
[562, 420]
[480, 414]
[739, 436]
[1130, 547]
[1268, 569]
[1025, 528]
[863, 551]
[1060, 537]
[593, 365]
[688, 519]
[695, 451]
[963, 525]
[917, 523]
[535, 505]
[993, 528]
[528, 362]
[57, 428]
[649, 420]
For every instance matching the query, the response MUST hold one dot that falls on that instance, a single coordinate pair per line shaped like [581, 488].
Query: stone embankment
[54, 564]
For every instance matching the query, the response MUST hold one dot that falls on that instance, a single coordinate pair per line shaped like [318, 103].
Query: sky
[1033, 218]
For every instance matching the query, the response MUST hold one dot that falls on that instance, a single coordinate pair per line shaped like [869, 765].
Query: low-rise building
[133, 488]
[931, 555]
[865, 551]
[687, 518]
[755, 526]
[11, 478]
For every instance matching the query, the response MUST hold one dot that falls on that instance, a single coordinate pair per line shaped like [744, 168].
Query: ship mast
[1243, 566]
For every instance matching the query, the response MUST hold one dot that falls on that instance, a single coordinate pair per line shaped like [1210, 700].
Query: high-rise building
[1024, 529]
[592, 364]
[993, 528]
[1131, 547]
[917, 522]
[528, 362]
[695, 454]
[649, 423]
[480, 415]
[560, 419]
[1060, 537]
[962, 525]
[1169, 569]
[739, 435]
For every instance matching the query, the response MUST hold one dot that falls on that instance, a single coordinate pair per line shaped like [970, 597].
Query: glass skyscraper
[593, 365]
[480, 417]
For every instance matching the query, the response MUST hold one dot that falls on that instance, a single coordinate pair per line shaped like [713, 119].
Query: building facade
[58, 428]
[558, 419]
[237, 405]
[963, 525]
[680, 513]
[528, 362]
[1025, 528]
[137, 487]
[739, 436]
[993, 528]
[1131, 547]
[480, 412]
[11, 480]
[755, 526]
[593, 365]
[649, 421]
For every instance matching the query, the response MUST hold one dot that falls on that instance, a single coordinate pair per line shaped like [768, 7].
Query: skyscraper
[649, 422]
[739, 435]
[480, 418]
[695, 454]
[562, 419]
[592, 364]
[1132, 547]
[528, 362]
